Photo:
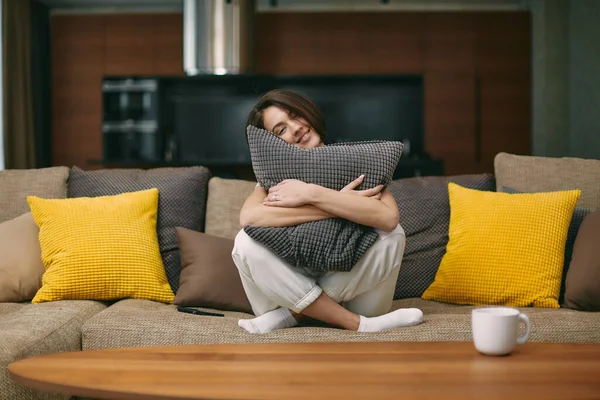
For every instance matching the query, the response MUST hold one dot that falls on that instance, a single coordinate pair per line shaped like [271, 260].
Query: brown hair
[294, 103]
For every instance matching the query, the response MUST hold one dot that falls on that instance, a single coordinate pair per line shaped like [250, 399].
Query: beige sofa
[33, 329]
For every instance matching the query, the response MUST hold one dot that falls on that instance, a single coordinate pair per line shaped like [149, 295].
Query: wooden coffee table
[399, 370]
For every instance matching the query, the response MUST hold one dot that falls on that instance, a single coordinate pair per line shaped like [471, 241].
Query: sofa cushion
[576, 220]
[549, 174]
[425, 215]
[504, 249]
[137, 323]
[583, 278]
[225, 200]
[209, 277]
[332, 244]
[21, 266]
[16, 185]
[28, 330]
[182, 200]
[100, 248]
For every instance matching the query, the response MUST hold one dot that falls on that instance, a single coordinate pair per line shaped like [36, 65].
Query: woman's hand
[288, 193]
[353, 205]
[256, 213]
[374, 193]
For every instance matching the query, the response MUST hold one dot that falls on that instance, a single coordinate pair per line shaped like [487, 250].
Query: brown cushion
[209, 278]
[21, 266]
[582, 291]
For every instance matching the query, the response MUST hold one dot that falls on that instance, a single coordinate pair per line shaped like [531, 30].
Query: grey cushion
[181, 201]
[334, 244]
[576, 220]
[425, 215]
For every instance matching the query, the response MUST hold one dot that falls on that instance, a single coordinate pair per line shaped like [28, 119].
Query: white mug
[496, 329]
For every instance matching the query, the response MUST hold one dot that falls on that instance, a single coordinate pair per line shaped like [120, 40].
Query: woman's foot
[279, 318]
[396, 319]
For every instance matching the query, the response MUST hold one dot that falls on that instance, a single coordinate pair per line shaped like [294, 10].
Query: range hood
[217, 36]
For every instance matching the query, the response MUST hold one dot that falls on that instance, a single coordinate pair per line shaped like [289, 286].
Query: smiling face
[291, 128]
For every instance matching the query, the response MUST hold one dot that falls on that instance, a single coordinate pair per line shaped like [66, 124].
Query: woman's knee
[253, 258]
[241, 242]
[395, 242]
[388, 253]
[243, 249]
[245, 246]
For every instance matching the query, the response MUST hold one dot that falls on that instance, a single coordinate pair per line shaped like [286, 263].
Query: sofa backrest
[17, 184]
[546, 174]
[223, 205]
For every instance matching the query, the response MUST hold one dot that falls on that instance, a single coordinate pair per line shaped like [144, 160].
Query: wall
[550, 107]
[566, 78]
[584, 78]
[476, 69]
[87, 47]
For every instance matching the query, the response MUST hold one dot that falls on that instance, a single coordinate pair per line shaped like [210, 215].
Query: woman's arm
[381, 214]
[377, 213]
[254, 212]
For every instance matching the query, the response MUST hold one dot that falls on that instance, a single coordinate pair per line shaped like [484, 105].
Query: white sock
[277, 319]
[395, 319]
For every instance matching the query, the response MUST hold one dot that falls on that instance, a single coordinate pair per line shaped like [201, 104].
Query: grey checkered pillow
[334, 244]
[181, 201]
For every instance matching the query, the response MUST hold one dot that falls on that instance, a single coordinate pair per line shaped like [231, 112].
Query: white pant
[368, 289]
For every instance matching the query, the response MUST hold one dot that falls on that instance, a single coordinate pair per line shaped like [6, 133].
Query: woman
[282, 295]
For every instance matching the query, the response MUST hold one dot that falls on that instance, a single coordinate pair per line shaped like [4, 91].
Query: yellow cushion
[101, 248]
[504, 249]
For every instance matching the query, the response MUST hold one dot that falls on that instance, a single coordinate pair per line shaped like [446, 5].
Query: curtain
[41, 83]
[19, 142]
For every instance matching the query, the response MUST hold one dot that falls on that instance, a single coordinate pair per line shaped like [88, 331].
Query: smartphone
[198, 312]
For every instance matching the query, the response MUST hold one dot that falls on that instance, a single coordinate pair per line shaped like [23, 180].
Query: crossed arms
[293, 202]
